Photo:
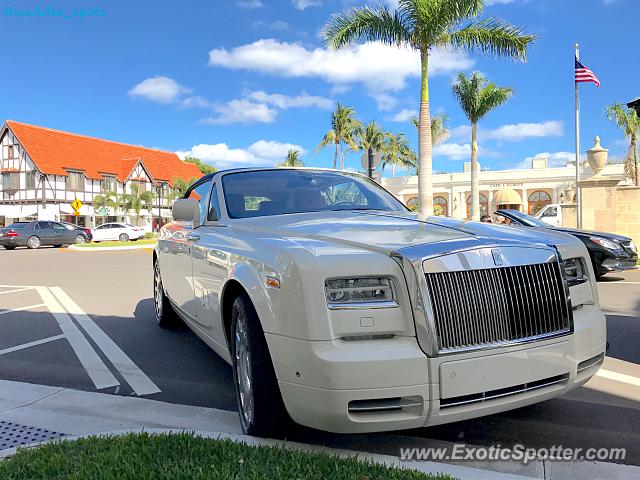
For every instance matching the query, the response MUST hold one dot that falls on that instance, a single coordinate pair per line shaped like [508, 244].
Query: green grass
[184, 456]
[115, 243]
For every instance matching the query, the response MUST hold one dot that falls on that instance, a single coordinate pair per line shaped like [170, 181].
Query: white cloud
[403, 115]
[385, 101]
[488, 3]
[302, 4]
[197, 102]
[262, 152]
[457, 151]
[339, 89]
[249, 4]
[380, 67]
[554, 159]
[283, 101]
[241, 111]
[159, 89]
[512, 132]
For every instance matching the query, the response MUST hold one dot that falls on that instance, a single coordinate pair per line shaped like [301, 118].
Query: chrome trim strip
[363, 305]
[509, 343]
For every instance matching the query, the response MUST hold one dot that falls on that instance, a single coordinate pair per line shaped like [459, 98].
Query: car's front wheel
[262, 411]
[80, 239]
[123, 237]
[165, 315]
[33, 242]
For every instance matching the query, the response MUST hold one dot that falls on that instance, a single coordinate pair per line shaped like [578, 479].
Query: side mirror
[186, 210]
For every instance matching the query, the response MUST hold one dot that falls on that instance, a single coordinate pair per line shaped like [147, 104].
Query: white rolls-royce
[342, 310]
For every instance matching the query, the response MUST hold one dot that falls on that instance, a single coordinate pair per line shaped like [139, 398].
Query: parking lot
[85, 320]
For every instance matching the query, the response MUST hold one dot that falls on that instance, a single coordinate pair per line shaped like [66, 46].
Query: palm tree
[136, 200]
[293, 159]
[344, 128]
[628, 121]
[477, 97]
[180, 187]
[108, 200]
[397, 152]
[439, 129]
[424, 25]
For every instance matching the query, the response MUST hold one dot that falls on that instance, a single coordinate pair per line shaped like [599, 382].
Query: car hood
[388, 231]
[575, 231]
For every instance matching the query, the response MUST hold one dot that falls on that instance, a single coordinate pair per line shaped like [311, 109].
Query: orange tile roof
[53, 151]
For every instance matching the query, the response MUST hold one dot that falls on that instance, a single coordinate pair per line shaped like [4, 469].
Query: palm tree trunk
[475, 181]
[341, 157]
[335, 157]
[634, 147]
[425, 185]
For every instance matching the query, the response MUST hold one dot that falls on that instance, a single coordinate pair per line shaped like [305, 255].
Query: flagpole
[578, 193]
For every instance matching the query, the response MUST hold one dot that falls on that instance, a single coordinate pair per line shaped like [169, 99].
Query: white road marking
[95, 367]
[136, 378]
[619, 377]
[31, 344]
[20, 309]
[21, 289]
[619, 283]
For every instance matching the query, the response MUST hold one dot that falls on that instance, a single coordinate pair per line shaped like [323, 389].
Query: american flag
[583, 74]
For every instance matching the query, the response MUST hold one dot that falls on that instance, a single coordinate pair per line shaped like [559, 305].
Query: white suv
[117, 231]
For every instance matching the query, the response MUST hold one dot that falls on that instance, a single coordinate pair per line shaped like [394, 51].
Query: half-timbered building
[43, 171]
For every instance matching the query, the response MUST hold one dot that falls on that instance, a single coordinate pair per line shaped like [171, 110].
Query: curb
[148, 246]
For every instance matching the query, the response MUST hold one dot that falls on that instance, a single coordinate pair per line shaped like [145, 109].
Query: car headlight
[574, 271]
[632, 246]
[608, 244]
[363, 292]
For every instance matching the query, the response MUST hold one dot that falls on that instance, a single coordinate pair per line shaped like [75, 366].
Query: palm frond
[439, 129]
[328, 139]
[366, 24]
[492, 37]
[626, 119]
[491, 97]
[477, 97]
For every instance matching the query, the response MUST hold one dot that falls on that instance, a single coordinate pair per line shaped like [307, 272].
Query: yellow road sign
[77, 205]
[76, 213]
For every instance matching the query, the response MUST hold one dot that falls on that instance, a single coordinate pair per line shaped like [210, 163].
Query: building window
[30, 180]
[484, 205]
[75, 181]
[142, 187]
[440, 206]
[109, 184]
[10, 181]
[413, 203]
[537, 201]
[10, 152]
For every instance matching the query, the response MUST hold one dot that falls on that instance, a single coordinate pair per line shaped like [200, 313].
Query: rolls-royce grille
[475, 308]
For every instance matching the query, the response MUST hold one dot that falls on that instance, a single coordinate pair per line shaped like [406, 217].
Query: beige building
[527, 190]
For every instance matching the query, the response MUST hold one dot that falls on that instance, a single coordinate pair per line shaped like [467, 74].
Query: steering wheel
[343, 203]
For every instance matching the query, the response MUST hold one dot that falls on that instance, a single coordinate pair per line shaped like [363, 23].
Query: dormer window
[109, 184]
[75, 181]
[10, 152]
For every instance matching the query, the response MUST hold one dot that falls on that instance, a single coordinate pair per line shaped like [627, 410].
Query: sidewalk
[77, 413]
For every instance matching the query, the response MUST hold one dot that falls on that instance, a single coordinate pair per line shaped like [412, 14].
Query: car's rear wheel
[123, 237]
[33, 242]
[166, 317]
[57, 246]
[80, 239]
[9, 247]
[262, 411]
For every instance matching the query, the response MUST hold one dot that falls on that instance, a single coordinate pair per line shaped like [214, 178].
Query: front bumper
[619, 264]
[390, 384]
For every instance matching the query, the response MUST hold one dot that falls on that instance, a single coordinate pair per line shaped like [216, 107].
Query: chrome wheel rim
[33, 242]
[79, 239]
[243, 370]
[157, 289]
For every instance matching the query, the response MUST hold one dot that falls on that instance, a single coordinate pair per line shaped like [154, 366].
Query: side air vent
[384, 404]
[582, 366]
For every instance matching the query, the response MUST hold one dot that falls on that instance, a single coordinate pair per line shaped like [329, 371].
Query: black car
[81, 231]
[35, 234]
[608, 251]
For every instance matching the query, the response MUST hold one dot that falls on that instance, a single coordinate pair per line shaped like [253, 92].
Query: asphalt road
[102, 303]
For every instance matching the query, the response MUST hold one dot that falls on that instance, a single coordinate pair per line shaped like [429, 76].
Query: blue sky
[239, 82]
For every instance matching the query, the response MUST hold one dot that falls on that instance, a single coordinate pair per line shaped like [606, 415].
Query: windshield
[277, 192]
[13, 226]
[526, 219]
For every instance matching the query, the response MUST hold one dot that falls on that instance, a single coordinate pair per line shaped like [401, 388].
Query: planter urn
[597, 158]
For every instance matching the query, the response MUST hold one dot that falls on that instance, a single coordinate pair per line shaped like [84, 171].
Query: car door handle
[192, 237]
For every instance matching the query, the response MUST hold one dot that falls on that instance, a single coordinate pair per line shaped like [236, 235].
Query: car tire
[262, 411]
[166, 317]
[123, 237]
[57, 246]
[80, 239]
[33, 242]
[9, 247]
